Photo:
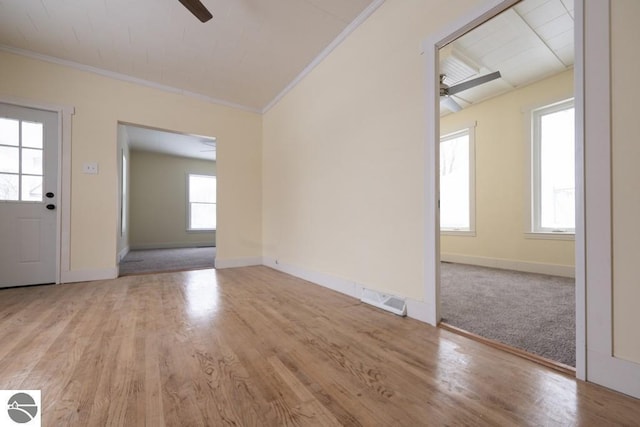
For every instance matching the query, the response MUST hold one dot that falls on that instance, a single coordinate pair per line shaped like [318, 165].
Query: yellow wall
[501, 177]
[344, 156]
[626, 178]
[158, 209]
[101, 102]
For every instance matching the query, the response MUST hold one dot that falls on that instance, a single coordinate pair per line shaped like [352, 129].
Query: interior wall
[626, 176]
[343, 180]
[100, 102]
[502, 140]
[122, 233]
[158, 209]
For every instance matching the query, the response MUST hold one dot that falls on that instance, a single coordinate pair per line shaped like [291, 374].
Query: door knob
[49, 195]
[51, 207]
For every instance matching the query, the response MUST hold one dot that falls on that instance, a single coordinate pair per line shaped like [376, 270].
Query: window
[553, 168]
[21, 155]
[202, 202]
[457, 182]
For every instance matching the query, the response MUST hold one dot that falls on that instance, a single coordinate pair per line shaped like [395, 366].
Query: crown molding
[326, 51]
[125, 78]
[366, 13]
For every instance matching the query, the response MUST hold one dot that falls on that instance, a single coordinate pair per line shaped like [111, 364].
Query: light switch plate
[90, 168]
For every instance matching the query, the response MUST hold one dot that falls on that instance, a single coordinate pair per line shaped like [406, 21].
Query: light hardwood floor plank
[253, 346]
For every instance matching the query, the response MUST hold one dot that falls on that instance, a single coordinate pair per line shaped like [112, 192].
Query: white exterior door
[28, 196]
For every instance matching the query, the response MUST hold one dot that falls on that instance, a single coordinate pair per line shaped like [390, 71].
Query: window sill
[550, 235]
[468, 233]
[200, 230]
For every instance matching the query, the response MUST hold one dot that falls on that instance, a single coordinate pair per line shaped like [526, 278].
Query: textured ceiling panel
[526, 43]
[245, 55]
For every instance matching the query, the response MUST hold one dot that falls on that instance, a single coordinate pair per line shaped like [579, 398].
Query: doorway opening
[167, 200]
[504, 256]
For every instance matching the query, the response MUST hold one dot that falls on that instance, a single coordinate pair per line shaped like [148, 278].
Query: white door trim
[432, 232]
[63, 215]
[602, 367]
[581, 171]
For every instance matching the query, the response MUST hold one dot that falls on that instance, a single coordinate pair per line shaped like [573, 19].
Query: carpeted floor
[158, 260]
[532, 312]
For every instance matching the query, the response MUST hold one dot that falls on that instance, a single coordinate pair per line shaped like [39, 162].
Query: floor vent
[390, 303]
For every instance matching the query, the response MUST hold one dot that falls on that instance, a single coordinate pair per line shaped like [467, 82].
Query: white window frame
[469, 129]
[189, 228]
[534, 230]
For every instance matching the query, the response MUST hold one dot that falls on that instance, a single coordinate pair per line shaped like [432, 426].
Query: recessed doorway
[168, 201]
[494, 79]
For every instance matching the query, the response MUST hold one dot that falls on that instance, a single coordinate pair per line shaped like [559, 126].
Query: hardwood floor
[251, 346]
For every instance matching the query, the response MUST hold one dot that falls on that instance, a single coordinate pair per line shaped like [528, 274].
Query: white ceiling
[531, 41]
[253, 49]
[174, 144]
[246, 55]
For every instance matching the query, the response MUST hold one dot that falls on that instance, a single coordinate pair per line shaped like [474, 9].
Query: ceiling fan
[446, 91]
[198, 9]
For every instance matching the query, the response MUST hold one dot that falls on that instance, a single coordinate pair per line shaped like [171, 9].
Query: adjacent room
[507, 181]
[219, 212]
[167, 200]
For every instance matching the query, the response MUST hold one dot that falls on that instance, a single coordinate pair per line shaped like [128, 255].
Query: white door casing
[29, 202]
[430, 49]
[595, 360]
[602, 366]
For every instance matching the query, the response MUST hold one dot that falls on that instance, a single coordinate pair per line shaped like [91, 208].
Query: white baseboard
[171, 246]
[337, 284]
[123, 253]
[415, 309]
[88, 275]
[509, 264]
[237, 262]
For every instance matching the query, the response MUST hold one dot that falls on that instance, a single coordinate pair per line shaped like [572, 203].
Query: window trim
[189, 228]
[533, 230]
[470, 129]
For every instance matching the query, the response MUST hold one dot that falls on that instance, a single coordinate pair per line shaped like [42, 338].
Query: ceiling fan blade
[198, 9]
[473, 83]
[450, 103]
